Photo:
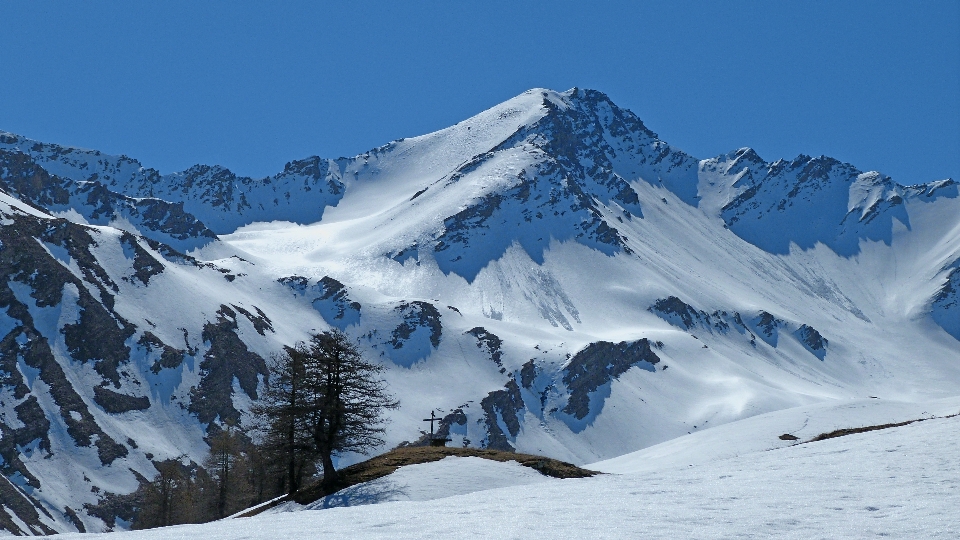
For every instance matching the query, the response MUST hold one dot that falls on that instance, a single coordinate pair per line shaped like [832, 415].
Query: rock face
[329, 297]
[490, 343]
[946, 304]
[531, 273]
[812, 340]
[768, 327]
[579, 146]
[74, 363]
[115, 402]
[227, 362]
[217, 196]
[93, 202]
[503, 408]
[678, 313]
[597, 365]
[809, 200]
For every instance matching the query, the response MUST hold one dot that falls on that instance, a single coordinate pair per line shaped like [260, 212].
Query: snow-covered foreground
[448, 477]
[900, 482]
[761, 433]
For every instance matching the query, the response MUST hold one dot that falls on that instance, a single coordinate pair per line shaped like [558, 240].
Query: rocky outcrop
[767, 327]
[416, 315]
[489, 343]
[20, 515]
[598, 364]
[945, 308]
[32, 279]
[683, 315]
[169, 358]
[21, 175]
[226, 359]
[582, 171]
[679, 313]
[810, 338]
[810, 200]
[329, 297]
[502, 407]
[116, 402]
[335, 305]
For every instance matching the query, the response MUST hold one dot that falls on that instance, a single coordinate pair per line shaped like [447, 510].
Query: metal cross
[433, 418]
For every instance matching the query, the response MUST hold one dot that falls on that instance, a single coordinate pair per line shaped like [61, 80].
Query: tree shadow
[373, 492]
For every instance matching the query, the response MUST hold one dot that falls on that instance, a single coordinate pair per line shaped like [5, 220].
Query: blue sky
[252, 85]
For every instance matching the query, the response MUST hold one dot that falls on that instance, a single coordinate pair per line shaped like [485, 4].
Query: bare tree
[281, 413]
[228, 469]
[323, 399]
[346, 399]
[170, 498]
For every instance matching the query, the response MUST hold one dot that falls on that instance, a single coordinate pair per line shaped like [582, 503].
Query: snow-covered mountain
[548, 275]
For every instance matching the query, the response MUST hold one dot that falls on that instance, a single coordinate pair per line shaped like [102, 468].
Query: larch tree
[323, 399]
[281, 413]
[347, 398]
[228, 471]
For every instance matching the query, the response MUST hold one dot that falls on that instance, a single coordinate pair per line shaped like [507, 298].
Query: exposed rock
[680, 314]
[297, 283]
[81, 425]
[113, 506]
[227, 358]
[504, 406]
[330, 298]
[811, 200]
[812, 340]
[599, 363]
[334, 303]
[677, 312]
[145, 265]
[35, 429]
[74, 519]
[116, 403]
[490, 343]
[17, 504]
[528, 373]
[768, 327]
[99, 337]
[23, 176]
[170, 357]
[261, 323]
[96, 336]
[945, 308]
[416, 315]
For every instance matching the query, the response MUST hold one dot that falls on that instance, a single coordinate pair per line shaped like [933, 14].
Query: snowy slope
[549, 276]
[898, 483]
[448, 477]
[762, 433]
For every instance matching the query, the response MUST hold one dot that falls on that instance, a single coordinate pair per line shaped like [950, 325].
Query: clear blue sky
[252, 85]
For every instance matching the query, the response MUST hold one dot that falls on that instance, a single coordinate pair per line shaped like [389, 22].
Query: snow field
[899, 483]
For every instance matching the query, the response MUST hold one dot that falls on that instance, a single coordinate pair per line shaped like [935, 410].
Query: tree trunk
[292, 437]
[224, 479]
[330, 476]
